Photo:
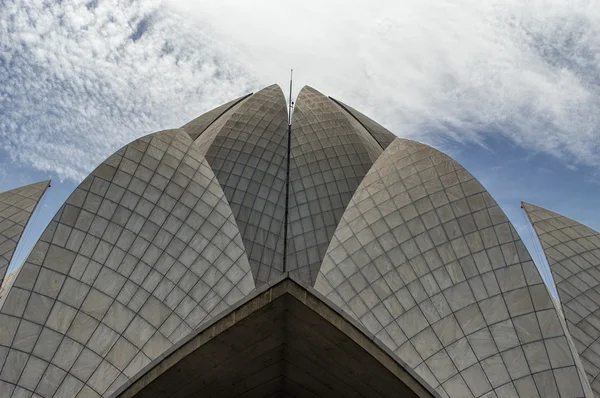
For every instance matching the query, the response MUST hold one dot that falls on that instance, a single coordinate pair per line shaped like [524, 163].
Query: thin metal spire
[291, 103]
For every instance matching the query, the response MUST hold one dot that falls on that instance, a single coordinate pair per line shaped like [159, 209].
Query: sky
[510, 89]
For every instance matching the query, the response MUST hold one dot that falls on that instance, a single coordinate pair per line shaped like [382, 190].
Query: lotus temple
[256, 252]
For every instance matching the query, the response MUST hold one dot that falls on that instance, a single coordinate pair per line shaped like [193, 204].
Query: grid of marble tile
[573, 253]
[143, 251]
[248, 156]
[373, 147]
[6, 284]
[199, 124]
[329, 159]
[16, 207]
[383, 136]
[586, 383]
[205, 140]
[428, 262]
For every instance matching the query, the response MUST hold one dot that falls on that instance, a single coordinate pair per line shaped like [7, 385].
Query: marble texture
[16, 208]
[383, 136]
[248, 155]
[573, 253]
[428, 262]
[197, 126]
[179, 226]
[144, 250]
[329, 158]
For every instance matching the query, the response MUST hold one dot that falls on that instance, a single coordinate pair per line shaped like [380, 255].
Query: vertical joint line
[287, 199]
[287, 178]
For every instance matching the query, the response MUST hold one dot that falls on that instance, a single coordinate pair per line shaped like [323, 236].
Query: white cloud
[460, 70]
[78, 80]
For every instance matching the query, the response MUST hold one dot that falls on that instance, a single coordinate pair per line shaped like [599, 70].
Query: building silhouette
[240, 255]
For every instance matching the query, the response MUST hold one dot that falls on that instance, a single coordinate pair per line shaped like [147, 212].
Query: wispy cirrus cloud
[80, 79]
[441, 71]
